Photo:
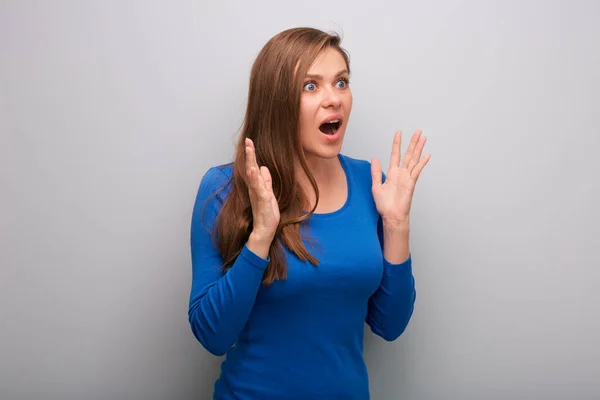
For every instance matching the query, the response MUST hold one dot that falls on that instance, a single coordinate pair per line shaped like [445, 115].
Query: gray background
[111, 112]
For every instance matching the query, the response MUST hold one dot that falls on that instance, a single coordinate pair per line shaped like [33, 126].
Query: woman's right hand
[265, 210]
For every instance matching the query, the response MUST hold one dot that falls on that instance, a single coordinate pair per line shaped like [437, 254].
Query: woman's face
[325, 105]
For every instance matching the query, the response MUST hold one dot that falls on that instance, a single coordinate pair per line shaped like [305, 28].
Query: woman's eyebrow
[320, 77]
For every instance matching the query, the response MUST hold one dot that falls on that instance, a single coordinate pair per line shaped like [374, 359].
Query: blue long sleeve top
[299, 338]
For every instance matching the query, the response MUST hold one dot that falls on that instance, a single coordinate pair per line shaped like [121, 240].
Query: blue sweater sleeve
[392, 305]
[219, 304]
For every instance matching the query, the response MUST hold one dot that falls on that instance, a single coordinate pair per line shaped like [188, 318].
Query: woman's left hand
[394, 197]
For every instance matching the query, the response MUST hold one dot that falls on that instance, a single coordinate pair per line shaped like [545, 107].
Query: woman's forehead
[329, 63]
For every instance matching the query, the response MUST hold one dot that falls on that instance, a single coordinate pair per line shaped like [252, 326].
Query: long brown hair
[272, 122]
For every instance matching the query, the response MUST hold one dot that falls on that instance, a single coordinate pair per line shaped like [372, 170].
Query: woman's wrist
[259, 245]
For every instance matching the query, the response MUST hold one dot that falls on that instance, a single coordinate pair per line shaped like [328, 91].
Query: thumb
[376, 173]
[266, 175]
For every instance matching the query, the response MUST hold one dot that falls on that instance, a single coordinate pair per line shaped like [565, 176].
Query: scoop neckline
[346, 204]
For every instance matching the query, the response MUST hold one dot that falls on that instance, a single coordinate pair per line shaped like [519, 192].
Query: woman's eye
[310, 86]
[342, 83]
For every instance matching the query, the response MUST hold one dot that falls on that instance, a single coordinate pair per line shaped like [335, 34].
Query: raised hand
[265, 210]
[394, 197]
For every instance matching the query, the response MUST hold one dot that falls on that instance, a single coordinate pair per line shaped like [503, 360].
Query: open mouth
[331, 127]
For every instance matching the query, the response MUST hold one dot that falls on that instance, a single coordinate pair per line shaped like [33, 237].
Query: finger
[411, 148]
[266, 176]
[251, 154]
[275, 205]
[396, 150]
[419, 167]
[252, 169]
[417, 154]
[376, 173]
[251, 181]
[247, 151]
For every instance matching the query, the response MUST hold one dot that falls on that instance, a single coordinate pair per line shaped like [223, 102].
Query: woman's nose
[331, 98]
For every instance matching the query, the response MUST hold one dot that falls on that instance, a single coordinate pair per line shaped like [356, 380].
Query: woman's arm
[220, 304]
[391, 306]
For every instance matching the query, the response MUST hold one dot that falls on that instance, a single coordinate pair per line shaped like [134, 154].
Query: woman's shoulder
[358, 168]
[215, 179]
[219, 172]
[356, 163]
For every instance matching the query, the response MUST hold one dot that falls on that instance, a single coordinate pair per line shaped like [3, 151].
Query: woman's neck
[331, 181]
[324, 170]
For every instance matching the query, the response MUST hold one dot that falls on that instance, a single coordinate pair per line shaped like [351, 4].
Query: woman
[294, 245]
